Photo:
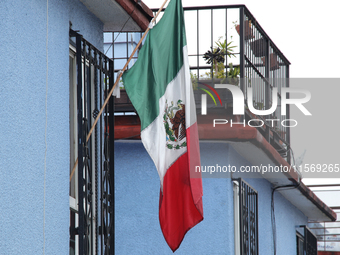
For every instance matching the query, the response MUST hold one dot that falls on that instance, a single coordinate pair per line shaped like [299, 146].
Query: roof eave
[120, 15]
[138, 11]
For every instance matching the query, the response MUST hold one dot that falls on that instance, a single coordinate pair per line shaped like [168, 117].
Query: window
[245, 218]
[299, 244]
[310, 242]
[306, 244]
[73, 192]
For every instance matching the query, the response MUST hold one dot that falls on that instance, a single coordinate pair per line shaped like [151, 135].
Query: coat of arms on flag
[174, 124]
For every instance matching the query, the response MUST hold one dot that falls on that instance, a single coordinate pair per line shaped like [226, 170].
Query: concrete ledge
[239, 133]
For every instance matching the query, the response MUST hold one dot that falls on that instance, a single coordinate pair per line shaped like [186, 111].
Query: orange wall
[328, 253]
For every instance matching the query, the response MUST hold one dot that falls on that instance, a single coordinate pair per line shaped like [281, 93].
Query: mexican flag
[159, 87]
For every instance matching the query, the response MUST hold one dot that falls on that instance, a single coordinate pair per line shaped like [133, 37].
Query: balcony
[227, 45]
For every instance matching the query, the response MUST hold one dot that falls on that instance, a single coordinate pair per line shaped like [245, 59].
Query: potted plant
[216, 57]
[233, 74]
[219, 72]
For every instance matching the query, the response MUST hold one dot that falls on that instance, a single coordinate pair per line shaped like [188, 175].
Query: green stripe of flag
[158, 63]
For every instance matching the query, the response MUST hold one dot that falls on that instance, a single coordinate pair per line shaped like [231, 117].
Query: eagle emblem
[174, 124]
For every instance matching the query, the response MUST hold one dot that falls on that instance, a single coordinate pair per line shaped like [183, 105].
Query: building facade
[44, 208]
[244, 213]
[137, 194]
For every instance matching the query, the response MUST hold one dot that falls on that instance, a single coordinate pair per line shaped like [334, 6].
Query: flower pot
[259, 47]
[232, 80]
[248, 33]
[274, 64]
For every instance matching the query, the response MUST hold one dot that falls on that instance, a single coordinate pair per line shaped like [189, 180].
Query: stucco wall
[137, 198]
[34, 187]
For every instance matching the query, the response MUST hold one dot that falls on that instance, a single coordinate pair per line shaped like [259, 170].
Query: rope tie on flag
[115, 84]
[116, 91]
[151, 24]
[120, 73]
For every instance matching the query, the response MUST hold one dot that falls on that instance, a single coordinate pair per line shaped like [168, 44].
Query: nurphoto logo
[239, 107]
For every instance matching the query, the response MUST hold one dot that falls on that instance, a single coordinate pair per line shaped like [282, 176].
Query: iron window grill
[95, 168]
[306, 244]
[310, 242]
[247, 219]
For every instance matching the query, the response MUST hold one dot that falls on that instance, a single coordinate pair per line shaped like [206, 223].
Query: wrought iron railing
[262, 66]
[250, 60]
[95, 157]
[265, 68]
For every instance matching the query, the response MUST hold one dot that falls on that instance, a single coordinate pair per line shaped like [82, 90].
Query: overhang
[254, 148]
[117, 15]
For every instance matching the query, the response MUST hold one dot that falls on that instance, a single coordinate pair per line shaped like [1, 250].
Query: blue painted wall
[34, 201]
[137, 193]
[25, 202]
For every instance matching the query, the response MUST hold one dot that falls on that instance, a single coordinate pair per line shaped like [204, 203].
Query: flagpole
[117, 80]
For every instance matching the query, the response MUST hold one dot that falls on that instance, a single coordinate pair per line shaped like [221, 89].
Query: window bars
[95, 157]
[310, 242]
[247, 218]
[306, 244]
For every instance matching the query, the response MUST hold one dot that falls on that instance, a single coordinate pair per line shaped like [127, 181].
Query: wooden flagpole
[117, 80]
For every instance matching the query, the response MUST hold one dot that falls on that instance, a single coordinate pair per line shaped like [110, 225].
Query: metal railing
[95, 169]
[265, 68]
[327, 234]
[250, 60]
[262, 66]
